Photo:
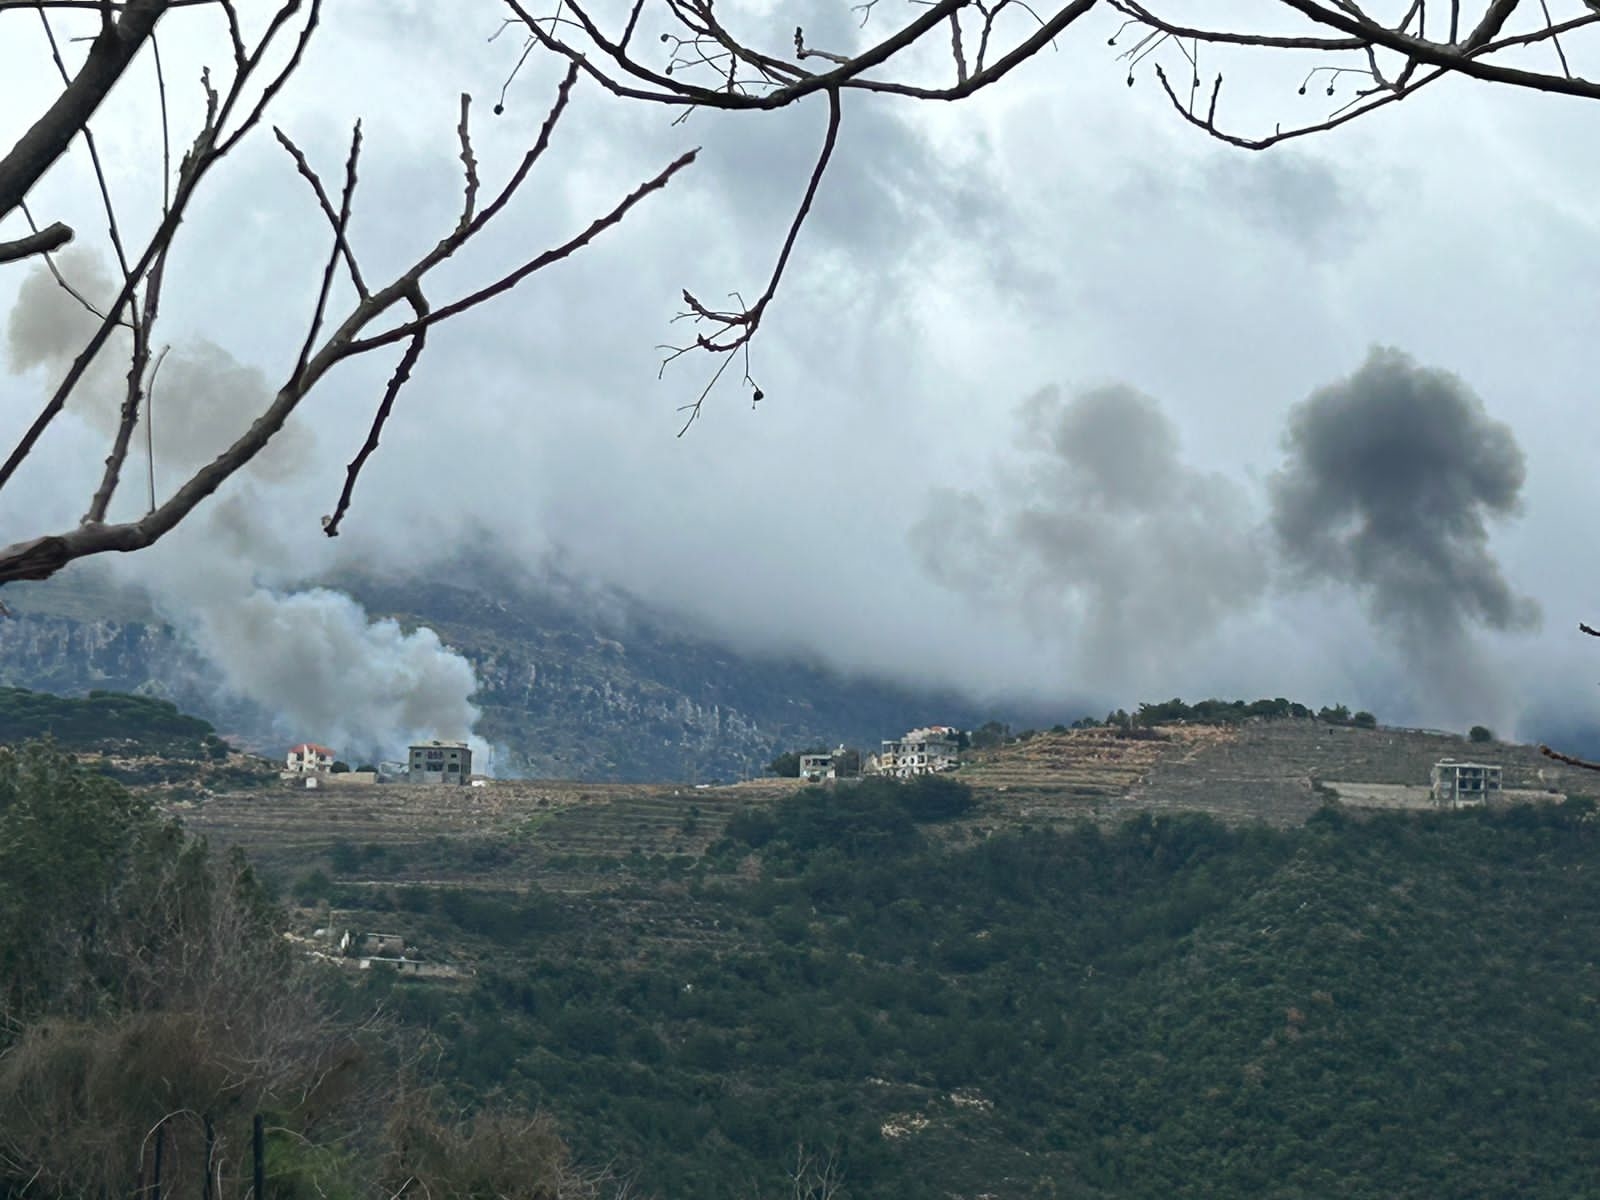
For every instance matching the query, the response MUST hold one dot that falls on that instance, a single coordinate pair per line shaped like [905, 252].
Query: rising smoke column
[1102, 537]
[223, 578]
[1390, 480]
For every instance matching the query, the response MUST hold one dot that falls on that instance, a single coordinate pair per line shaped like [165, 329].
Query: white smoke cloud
[310, 658]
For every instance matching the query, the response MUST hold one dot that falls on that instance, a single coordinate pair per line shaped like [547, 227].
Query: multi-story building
[920, 752]
[1464, 784]
[440, 762]
[308, 758]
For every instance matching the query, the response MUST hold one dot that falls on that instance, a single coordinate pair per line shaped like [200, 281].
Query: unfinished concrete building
[1464, 784]
[921, 752]
[816, 767]
[440, 762]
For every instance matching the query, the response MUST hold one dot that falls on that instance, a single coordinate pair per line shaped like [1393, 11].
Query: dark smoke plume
[1104, 539]
[1391, 478]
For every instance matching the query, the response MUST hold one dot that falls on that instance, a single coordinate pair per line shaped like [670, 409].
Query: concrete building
[1464, 784]
[920, 752]
[440, 762]
[816, 767]
[308, 758]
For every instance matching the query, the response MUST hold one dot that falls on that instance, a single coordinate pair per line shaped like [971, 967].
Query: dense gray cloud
[1103, 537]
[1060, 226]
[1391, 479]
[1131, 562]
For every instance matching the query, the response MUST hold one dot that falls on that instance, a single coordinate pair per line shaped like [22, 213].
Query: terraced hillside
[1273, 771]
[590, 837]
[505, 834]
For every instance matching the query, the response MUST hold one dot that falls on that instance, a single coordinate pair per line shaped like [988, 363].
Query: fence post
[258, 1145]
[206, 1191]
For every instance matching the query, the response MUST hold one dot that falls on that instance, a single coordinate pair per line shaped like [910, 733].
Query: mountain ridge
[573, 682]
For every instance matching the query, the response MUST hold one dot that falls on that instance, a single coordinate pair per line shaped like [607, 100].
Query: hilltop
[562, 832]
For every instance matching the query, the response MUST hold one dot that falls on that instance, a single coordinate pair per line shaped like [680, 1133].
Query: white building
[1464, 784]
[308, 758]
[816, 767]
[920, 752]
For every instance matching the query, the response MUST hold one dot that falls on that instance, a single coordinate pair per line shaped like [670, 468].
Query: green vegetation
[1480, 734]
[1401, 1005]
[150, 1009]
[1231, 712]
[1397, 1006]
[106, 721]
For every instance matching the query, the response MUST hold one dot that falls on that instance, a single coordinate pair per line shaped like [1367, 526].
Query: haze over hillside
[565, 682]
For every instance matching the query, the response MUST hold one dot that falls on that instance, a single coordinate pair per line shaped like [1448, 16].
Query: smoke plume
[311, 658]
[1105, 539]
[1126, 557]
[1390, 480]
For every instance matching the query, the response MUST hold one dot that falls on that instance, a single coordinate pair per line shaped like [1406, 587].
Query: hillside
[978, 1004]
[1084, 965]
[560, 833]
[574, 684]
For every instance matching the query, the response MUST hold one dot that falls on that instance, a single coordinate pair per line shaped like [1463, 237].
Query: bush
[1480, 734]
[312, 886]
[935, 798]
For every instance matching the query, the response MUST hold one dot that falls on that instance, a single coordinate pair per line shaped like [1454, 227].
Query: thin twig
[402, 373]
[166, 130]
[341, 244]
[341, 226]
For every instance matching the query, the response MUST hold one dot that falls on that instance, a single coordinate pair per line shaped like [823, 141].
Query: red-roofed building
[308, 758]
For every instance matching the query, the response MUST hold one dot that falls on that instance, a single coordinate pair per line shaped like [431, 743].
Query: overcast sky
[1033, 386]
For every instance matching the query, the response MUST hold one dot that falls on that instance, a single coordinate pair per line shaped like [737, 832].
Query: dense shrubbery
[1230, 712]
[875, 818]
[147, 996]
[1397, 1006]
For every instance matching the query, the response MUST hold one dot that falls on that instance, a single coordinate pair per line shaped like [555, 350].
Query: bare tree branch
[48, 138]
[402, 374]
[1570, 761]
[51, 237]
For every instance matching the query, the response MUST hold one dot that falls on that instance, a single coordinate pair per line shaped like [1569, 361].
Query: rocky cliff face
[71, 655]
[570, 686]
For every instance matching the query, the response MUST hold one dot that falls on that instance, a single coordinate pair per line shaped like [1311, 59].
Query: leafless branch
[742, 325]
[39, 557]
[135, 393]
[956, 49]
[42, 241]
[1569, 759]
[402, 374]
[341, 244]
[55, 271]
[50, 136]
[340, 241]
